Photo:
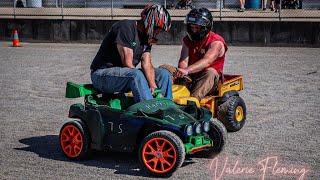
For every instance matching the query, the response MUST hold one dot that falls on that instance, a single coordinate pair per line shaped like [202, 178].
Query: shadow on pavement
[124, 163]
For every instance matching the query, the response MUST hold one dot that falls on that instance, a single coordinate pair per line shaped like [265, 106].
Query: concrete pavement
[281, 92]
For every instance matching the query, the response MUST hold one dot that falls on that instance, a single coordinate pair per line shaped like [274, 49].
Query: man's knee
[163, 72]
[162, 75]
[137, 74]
[205, 83]
[211, 73]
[169, 68]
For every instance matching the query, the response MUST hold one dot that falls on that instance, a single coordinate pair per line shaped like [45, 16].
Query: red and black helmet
[202, 17]
[155, 16]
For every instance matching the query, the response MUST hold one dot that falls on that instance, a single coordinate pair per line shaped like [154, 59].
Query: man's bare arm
[148, 69]
[215, 50]
[184, 56]
[126, 55]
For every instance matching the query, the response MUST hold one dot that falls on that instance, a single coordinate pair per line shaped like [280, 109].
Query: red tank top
[198, 50]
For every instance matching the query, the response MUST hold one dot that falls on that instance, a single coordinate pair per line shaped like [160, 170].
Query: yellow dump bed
[229, 83]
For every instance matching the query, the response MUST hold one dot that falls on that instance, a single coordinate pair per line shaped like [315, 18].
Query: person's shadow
[124, 163]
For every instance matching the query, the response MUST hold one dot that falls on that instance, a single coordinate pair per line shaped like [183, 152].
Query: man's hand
[181, 72]
[153, 88]
[156, 93]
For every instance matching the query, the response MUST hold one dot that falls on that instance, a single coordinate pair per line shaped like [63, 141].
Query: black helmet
[202, 17]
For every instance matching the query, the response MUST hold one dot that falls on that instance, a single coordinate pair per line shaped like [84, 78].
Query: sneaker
[241, 10]
[263, 9]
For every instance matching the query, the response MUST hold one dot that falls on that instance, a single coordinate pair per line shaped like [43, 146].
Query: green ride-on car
[159, 130]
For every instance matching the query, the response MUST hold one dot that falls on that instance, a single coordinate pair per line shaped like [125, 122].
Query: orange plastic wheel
[71, 141]
[159, 155]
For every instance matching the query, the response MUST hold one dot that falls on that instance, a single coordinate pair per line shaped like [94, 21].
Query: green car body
[115, 122]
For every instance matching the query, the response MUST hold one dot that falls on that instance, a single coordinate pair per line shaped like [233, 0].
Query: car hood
[162, 109]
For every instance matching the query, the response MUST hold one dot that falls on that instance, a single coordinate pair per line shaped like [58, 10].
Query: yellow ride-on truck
[225, 103]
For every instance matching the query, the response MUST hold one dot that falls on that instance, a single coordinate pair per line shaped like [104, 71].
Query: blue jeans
[123, 80]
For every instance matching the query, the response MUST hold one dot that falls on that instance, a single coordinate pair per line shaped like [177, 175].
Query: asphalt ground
[282, 88]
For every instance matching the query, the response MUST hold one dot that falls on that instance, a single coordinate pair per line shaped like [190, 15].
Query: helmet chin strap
[189, 37]
[197, 40]
[144, 33]
[152, 40]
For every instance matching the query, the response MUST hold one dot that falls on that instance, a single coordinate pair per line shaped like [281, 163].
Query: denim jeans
[123, 80]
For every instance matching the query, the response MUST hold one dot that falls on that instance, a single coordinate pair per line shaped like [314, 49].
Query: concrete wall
[306, 4]
[120, 3]
[235, 33]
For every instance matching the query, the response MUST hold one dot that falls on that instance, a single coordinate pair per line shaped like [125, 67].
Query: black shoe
[241, 10]
[263, 9]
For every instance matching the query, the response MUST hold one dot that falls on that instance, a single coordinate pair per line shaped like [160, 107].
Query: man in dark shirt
[127, 43]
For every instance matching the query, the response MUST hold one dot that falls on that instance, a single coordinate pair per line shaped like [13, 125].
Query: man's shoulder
[186, 40]
[125, 23]
[215, 36]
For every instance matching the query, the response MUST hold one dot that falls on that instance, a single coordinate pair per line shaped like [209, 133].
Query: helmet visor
[196, 19]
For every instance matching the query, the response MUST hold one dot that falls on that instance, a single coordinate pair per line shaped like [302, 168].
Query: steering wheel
[157, 93]
[187, 79]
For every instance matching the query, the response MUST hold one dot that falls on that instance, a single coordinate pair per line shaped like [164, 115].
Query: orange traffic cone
[16, 42]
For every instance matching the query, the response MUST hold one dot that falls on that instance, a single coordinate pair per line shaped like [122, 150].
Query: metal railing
[119, 9]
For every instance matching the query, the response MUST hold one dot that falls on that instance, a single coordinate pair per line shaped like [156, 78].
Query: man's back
[123, 32]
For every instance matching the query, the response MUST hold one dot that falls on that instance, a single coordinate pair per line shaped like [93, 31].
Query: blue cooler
[34, 3]
[252, 4]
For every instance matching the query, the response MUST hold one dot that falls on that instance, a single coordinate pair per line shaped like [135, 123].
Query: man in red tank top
[203, 53]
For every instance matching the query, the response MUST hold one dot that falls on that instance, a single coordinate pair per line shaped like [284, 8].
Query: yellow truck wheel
[232, 113]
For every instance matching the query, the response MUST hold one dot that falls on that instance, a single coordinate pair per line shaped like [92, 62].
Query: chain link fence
[266, 10]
